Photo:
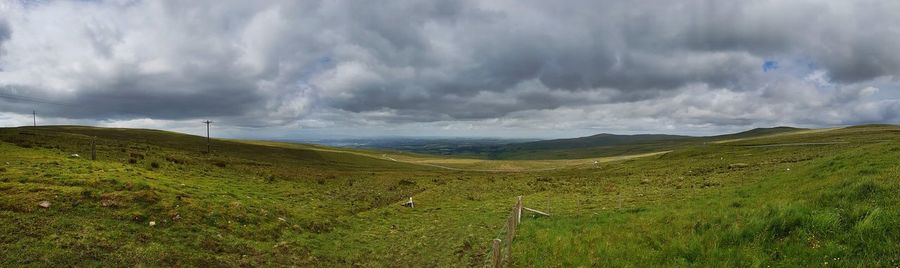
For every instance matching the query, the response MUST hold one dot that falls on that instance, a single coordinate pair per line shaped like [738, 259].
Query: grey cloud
[278, 62]
[854, 41]
[5, 32]
[658, 48]
[166, 97]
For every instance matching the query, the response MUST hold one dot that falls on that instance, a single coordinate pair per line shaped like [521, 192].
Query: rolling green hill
[756, 132]
[770, 198]
[602, 145]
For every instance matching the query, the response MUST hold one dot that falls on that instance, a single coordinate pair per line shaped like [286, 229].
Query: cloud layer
[620, 65]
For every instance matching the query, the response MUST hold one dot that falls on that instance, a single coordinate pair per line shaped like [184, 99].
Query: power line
[31, 99]
[21, 98]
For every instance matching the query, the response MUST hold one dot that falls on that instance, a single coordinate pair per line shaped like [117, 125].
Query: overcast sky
[518, 68]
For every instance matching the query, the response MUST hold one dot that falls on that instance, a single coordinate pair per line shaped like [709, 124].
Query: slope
[811, 199]
[779, 200]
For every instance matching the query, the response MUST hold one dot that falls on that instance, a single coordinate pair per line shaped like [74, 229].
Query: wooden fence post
[510, 235]
[512, 222]
[495, 255]
[93, 149]
[519, 210]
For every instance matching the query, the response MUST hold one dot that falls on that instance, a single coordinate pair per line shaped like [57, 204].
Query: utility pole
[34, 117]
[207, 122]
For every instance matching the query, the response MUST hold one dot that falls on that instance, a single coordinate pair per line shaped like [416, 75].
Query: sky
[499, 68]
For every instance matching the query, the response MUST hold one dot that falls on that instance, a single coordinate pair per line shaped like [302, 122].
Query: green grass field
[801, 198]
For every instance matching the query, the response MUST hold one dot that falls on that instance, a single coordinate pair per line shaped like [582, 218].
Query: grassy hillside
[818, 199]
[797, 198]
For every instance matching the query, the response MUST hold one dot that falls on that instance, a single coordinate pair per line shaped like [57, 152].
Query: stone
[409, 203]
[738, 165]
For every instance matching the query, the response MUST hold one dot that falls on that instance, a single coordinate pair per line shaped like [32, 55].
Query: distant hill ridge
[606, 144]
[758, 132]
[607, 139]
[604, 139]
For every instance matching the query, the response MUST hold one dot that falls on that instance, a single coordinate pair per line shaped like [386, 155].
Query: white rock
[152, 223]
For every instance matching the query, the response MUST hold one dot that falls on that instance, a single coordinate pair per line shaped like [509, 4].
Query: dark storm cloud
[424, 61]
[576, 48]
[636, 46]
[854, 41]
[167, 98]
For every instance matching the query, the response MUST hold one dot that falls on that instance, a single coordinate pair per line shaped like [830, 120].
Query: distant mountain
[604, 139]
[756, 132]
[436, 146]
[607, 145]
[599, 145]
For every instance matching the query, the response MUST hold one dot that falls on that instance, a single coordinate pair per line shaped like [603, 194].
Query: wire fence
[501, 246]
